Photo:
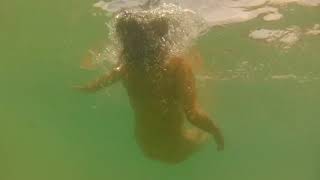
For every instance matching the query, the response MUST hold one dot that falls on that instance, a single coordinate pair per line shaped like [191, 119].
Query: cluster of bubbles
[184, 27]
[246, 71]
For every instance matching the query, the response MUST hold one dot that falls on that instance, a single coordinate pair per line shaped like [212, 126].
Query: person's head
[141, 34]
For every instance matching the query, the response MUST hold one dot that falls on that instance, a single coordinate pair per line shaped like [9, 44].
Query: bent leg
[201, 120]
[196, 136]
[194, 114]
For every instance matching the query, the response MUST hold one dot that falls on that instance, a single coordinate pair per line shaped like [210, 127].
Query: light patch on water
[284, 77]
[273, 16]
[218, 12]
[246, 71]
[315, 30]
[284, 38]
[215, 13]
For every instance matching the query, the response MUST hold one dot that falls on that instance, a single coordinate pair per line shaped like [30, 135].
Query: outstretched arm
[103, 81]
[195, 115]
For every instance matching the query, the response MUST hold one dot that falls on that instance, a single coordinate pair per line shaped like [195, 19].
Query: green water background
[50, 132]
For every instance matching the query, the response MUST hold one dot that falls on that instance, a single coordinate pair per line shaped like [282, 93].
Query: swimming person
[161, 89]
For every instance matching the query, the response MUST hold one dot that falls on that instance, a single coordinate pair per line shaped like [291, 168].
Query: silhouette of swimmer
[161, 90]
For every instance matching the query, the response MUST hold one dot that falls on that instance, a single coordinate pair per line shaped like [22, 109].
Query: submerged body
[161, 99]
[162, 94]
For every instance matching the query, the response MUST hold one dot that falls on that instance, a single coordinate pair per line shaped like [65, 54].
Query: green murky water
[50, 132]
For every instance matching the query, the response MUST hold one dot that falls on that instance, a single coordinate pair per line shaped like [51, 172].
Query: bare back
[161, 99]
[153, 95]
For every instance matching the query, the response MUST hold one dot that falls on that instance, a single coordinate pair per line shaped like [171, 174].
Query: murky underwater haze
[263, 94]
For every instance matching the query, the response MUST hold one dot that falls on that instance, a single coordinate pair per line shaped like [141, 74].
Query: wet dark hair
[127, 22]
[142, 36]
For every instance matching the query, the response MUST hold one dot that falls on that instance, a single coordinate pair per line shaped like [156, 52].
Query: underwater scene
[160, 90]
